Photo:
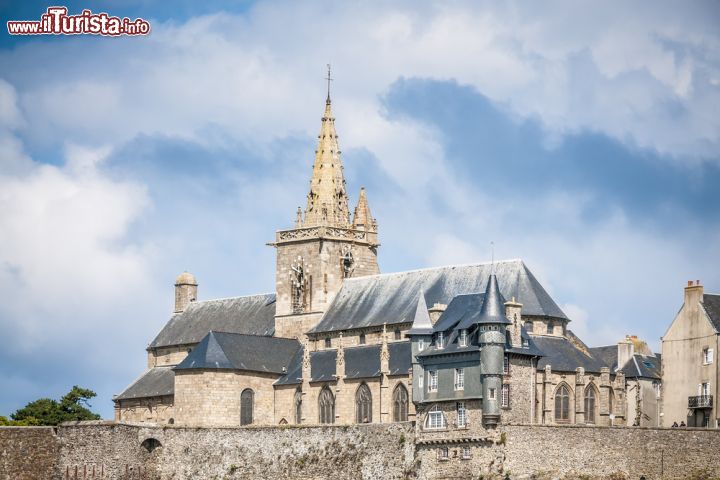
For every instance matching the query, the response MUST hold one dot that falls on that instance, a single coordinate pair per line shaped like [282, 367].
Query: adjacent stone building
[690, 375]
[454, 347]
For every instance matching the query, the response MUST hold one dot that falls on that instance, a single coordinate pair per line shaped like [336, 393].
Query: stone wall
[28, 453]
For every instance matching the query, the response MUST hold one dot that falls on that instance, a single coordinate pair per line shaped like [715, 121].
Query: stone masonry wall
[28, 453]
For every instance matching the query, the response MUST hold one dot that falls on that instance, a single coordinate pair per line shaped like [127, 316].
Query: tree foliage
[45, 411]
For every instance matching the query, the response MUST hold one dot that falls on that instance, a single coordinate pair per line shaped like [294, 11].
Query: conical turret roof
[421, 323]
[493, 307]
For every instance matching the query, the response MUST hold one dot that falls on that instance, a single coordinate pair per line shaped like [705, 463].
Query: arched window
[247, 400]
[363, 404]
[611, 401]
[562, 404]
[435, 418]
[590, 405]
[326, 404]
[400, 403]
[298, 406]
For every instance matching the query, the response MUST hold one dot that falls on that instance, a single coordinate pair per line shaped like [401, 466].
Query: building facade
[690, 375]
[452, 347]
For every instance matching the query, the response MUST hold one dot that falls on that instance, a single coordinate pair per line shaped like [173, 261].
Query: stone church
[453, 347]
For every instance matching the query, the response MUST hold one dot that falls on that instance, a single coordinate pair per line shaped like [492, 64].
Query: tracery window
[247, 399]
[363, 404]
[562, 404]
[590, 403]
[326, 404]
[400, 403]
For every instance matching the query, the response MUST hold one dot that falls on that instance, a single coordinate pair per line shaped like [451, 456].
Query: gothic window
[347, 262]
[247, 398]
[400, 404]
[362, 339]
[435, 418]
[363, 404]
[326, 404]
[590, 402]
[298, 284]
[298, 406]
[562, 404]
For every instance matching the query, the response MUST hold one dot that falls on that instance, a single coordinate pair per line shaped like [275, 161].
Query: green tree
[45, 411]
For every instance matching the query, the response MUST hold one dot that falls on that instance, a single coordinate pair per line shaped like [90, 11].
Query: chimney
[435, 311]
[185, 291]
[626, 350]
[513, 311]
[693, 295]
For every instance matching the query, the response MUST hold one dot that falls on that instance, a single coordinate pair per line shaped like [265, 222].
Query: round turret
[186, 278]
[185, 291]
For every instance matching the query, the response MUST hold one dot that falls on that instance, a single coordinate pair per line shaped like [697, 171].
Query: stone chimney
[693, 295]
[626, 350]
[435, 311]
[513, 313]
[185, 291]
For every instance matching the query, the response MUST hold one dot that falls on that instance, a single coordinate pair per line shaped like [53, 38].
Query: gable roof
[233, 351]
[422, 325]
[565, 356]
[251, 315]
[360, 362]
[711, 304]
[156, 382]
[643, 366]
[392, 298]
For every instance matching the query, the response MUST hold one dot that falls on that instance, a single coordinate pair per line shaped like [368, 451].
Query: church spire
[327, 202]
[363, 219]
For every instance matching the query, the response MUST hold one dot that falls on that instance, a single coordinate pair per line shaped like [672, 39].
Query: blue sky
[580, 137]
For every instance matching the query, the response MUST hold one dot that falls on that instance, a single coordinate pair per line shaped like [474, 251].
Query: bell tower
[326, 246]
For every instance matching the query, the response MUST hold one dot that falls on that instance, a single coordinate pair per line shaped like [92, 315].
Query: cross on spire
[329, 79]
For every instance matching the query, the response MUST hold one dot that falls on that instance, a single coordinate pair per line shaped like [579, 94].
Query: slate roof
[564, 355]
[360, 362]
[392, 298]
[711, 304]
[251, 315]
[233, 351]
[422, 325]
[644, 366]
[155, 382]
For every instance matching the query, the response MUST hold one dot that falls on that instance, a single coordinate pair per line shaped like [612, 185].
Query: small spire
[362, 218]
[421, 323]
[329, 79]
[298, 218]
[492, 310]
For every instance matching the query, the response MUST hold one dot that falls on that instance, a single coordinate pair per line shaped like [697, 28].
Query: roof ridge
[426, 269]
[254, 336]
[231, 298]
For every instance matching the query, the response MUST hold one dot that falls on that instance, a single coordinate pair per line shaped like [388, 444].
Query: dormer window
[462, 338]
[439, 342]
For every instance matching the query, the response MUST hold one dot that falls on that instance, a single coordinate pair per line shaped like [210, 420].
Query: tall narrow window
[440, 341]
[590, 411]
[328, 342]
[326, 405]
[298, 406]
[435, 418]
[459, 379]
[562, 404]
[462, 338]
[247, 398]
[398, 334]
[461, 415]
[505, 396]
[506, 365]
[400, 403]
[611, 401]
[707, 356]
[550, 328]
[432, 380]
[362, 339]
[363, 404]
[421, 345]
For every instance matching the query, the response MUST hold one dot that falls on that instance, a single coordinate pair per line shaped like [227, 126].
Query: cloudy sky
[581, 137]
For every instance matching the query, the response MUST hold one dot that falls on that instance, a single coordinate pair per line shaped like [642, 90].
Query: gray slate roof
[643, 366]
[155, 382]
[392, 298]
[251, 315]
[711, 303]
[233, 351]
[360, 362]
[564, 355]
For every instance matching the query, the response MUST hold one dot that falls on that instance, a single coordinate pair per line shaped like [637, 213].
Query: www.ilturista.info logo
[57, 22]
